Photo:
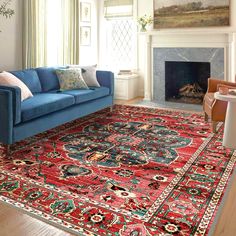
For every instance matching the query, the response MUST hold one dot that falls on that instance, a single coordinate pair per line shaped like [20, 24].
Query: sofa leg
[206, 117]
[213, 125]
[7, 149]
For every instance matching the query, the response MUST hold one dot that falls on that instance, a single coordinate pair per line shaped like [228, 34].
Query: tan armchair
[215, 109]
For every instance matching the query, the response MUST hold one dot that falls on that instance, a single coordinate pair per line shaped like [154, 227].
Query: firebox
[186, 82]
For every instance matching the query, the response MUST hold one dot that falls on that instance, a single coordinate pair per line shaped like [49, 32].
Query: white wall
[11, 39]
[88, 54]
[11, 35]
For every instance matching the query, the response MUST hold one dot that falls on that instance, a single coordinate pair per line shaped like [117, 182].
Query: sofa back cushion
[48, 78]
[30, 78]
[9, 80]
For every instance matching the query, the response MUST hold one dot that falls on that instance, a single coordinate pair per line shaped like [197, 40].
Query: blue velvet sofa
[49, 107]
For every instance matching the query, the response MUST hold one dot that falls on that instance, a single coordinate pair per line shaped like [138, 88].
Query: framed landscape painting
[191, 13]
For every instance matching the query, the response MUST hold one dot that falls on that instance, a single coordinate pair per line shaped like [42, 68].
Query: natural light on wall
[54, 30]
[121, 35]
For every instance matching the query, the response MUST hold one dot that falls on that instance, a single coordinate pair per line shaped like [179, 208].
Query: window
[121, 35]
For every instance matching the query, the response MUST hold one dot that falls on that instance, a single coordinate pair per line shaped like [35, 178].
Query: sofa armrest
[213, 84]
[106, 79]
[6, 116]
[16, 102]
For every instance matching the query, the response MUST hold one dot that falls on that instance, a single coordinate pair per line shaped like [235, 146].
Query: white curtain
[34, 33]
[51, 32]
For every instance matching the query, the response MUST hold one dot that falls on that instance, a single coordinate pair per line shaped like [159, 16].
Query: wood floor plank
[16, 223]
[226, 225]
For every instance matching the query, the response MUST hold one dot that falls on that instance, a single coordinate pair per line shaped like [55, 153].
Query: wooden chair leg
[206, 117]
[213, 125]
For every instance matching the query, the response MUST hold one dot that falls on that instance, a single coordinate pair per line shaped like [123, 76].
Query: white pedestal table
[229, 139]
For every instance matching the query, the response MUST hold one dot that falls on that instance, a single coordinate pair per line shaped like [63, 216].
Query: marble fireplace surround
[216, 48]
[160, 55]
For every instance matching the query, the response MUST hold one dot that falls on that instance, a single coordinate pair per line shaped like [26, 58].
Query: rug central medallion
[126, 144]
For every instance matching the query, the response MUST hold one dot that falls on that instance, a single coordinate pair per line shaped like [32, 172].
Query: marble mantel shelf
[190, 36]
[188, 32]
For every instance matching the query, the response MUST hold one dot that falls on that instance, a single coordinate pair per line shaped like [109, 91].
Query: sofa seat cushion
[88, 94]
[44, 103]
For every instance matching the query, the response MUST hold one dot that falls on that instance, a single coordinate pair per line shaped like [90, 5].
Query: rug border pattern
[173, 183]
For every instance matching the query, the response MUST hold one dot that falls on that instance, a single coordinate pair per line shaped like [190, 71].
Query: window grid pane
[122, 44]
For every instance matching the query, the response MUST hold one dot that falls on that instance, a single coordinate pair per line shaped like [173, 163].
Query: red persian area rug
[133, 171]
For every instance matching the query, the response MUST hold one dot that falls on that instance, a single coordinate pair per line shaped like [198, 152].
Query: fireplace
[210, 45]
[186, 66]
[186, 82]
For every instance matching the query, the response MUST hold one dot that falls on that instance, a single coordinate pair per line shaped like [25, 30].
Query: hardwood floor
[129, 102]
[226, 225]
[16, 223]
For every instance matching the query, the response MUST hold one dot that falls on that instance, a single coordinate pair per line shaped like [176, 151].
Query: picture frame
[85, 12]
[194, 13]
[85, 35]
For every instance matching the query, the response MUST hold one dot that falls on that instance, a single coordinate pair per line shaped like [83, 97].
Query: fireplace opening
[186, 82]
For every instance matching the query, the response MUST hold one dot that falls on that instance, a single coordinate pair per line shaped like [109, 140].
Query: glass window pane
[122, 44]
